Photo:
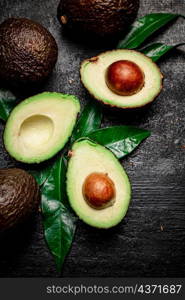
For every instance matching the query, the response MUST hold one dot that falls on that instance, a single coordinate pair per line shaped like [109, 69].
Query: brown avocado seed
[125, 78]
[99, 190]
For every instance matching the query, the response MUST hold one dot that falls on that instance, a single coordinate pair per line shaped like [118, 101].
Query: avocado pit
[124, 78]
[99, 190]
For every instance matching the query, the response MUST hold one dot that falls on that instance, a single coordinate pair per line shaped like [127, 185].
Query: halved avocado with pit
[40, 126]
[122, 78]
[98, 188]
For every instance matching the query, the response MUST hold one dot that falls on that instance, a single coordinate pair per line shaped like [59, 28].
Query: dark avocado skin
[19, 197]
[28, 52]
[98, 17]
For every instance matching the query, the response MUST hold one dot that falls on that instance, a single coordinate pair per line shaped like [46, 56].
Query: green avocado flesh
[93, 76]
[88, 157]
[40, 126]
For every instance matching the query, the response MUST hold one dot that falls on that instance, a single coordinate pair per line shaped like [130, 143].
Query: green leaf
[53, 183]
[121, 140]
[143, 28]
[58, 219]
[41, 173]
[59, 229]
[7, 102]
[157, 50]
[90, 120]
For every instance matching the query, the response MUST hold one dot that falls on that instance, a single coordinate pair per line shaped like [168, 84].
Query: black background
[150, 241]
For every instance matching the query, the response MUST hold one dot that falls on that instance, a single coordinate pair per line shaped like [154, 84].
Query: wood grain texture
[151, 239]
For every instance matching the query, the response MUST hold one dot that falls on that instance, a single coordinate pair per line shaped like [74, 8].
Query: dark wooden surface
[151, 239]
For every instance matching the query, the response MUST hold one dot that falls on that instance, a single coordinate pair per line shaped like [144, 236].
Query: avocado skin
[101, 17]
[19, 197]
[28, 52]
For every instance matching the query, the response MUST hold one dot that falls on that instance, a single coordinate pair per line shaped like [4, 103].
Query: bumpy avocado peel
[101, 18]
[19, 197]
[28, 52]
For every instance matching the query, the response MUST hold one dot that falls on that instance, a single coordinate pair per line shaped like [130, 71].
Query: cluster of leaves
[58, 219]
[144, 28]
[7, 102]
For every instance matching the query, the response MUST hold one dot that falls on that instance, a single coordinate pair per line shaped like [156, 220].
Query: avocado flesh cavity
[19, 197]
[87, 158]
[39, 127]
[93, 76]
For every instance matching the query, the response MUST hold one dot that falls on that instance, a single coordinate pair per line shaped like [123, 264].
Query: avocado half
[93, 76]
[19, 197]
[39, 127]
[88, 157]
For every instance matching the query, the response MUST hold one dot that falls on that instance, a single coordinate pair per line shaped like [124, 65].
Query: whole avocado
[97, 17]
[19, 197]
[28, 52]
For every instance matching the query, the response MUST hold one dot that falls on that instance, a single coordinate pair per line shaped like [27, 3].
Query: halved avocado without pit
[98, 188]
[40, 126]
[136, 77]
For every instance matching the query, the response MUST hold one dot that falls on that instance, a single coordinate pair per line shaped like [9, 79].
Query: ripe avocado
[98, 188]
[136, 77]
[39, 126]
[28, 52]
[19, 197]
[101, 17]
